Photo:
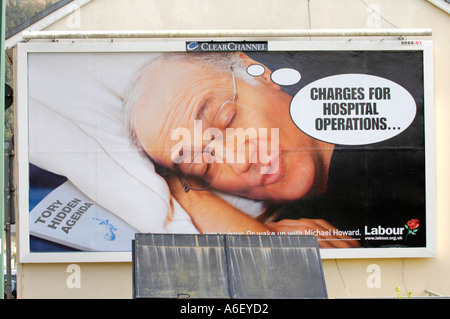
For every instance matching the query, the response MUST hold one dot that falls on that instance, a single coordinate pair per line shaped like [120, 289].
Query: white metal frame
[441, 4]
[23, 49]
[133, 34]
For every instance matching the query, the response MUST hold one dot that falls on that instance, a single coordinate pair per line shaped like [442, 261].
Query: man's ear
[266, 77]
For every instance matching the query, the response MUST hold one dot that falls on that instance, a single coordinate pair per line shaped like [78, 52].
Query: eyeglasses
[201, 173]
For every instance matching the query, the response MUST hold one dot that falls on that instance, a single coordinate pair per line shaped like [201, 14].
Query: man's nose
[244, 155]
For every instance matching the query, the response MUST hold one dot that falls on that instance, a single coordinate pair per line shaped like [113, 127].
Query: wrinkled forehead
[172, 97]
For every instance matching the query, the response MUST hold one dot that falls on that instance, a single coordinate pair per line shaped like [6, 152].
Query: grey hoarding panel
[275, 266]
[174, 266]
[230, 266]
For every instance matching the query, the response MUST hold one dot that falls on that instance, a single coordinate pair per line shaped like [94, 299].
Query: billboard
[332, 139]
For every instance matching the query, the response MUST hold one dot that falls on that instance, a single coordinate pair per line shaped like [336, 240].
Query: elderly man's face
[180, 93]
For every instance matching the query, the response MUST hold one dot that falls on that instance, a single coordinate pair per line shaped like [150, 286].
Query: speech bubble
[256, 70]
[285, 76]
[353, 109]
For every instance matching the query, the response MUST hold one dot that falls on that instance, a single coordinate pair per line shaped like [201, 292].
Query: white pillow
[76, 130]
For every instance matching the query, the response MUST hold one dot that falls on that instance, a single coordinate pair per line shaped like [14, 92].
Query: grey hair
[222, 61]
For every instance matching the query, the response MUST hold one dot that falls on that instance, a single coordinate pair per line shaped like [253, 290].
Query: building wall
[345, 277]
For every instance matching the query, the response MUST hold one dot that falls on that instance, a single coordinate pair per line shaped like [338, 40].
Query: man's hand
[212, 214]
[319, 227]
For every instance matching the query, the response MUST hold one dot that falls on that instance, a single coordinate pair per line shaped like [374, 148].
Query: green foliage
[17, 11]
[397, 289]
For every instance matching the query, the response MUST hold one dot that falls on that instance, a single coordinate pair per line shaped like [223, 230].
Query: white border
[23, 49]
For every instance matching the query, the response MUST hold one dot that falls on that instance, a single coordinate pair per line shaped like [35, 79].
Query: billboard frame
[123, 45]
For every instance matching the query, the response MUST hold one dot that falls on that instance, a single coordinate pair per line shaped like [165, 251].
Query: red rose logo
[412, 226]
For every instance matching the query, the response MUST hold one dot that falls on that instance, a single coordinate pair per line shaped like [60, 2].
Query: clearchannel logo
[191, 46]
[226, 46]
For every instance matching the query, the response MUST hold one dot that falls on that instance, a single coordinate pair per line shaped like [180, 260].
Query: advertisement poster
[207, 139]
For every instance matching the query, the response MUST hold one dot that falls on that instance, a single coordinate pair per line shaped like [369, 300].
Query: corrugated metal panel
[227, 266]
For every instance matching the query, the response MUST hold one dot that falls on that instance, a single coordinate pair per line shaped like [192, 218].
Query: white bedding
[76, 130]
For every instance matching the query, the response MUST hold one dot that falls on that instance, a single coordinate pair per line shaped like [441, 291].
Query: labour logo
[412, 226]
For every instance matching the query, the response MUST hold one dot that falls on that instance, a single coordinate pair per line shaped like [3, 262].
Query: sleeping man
[181, 110]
